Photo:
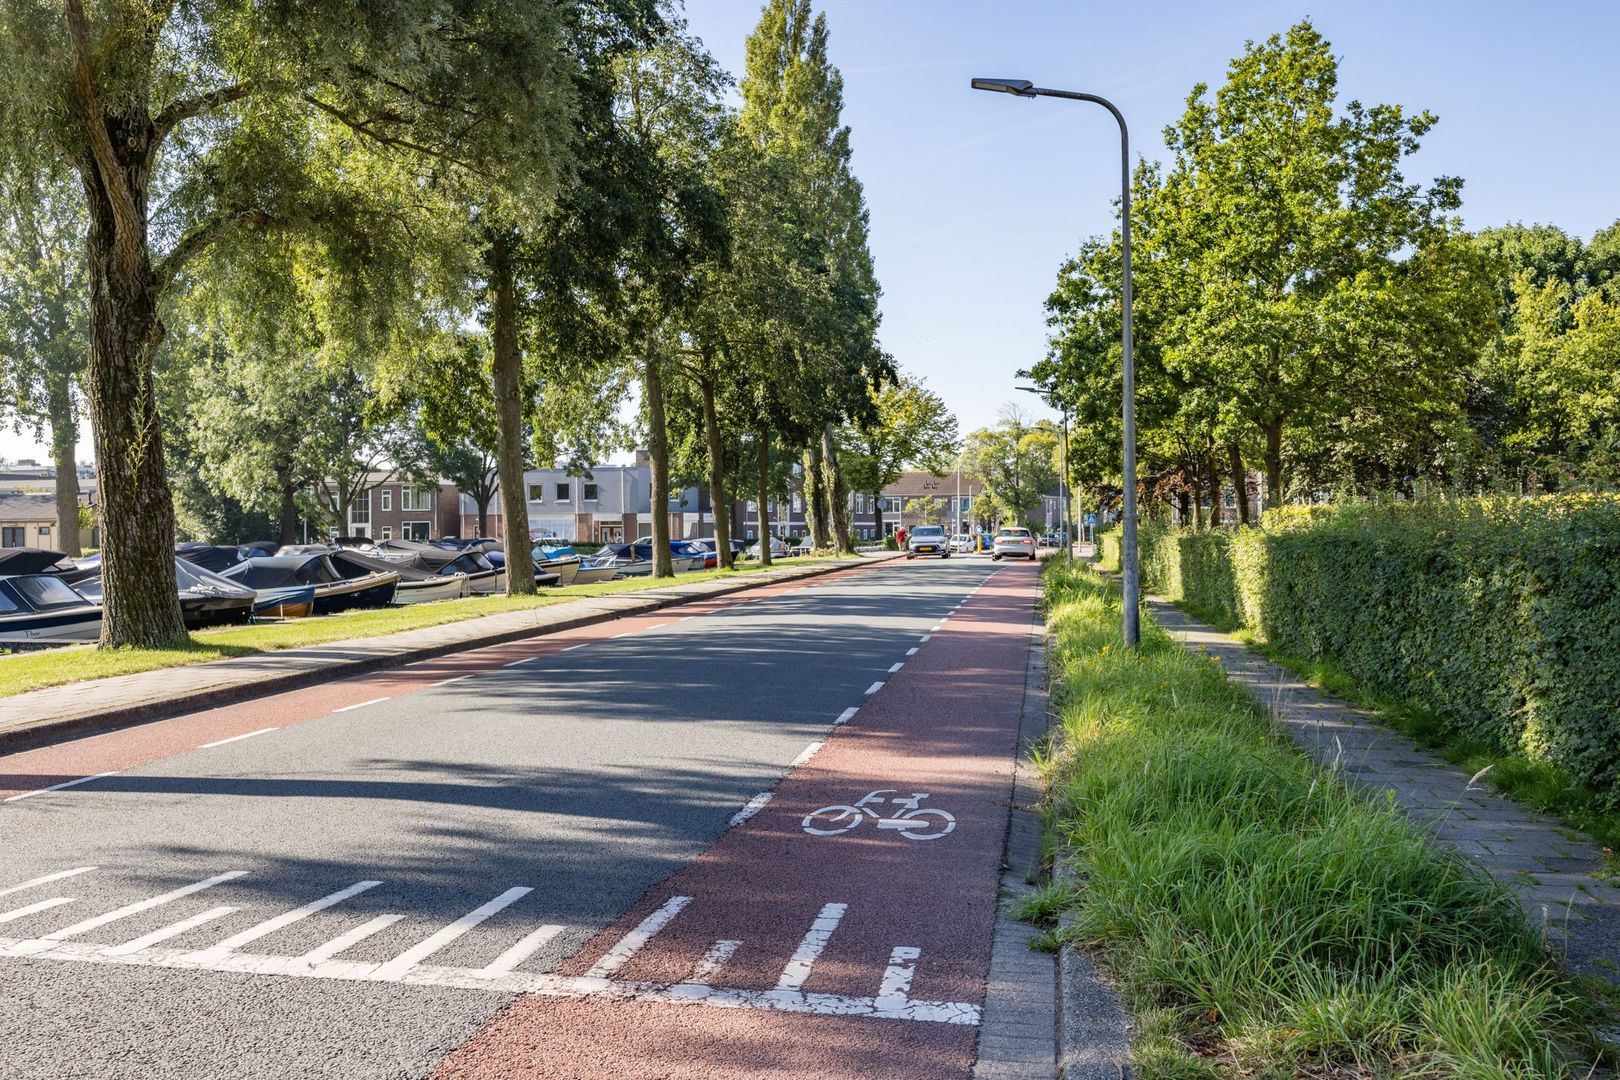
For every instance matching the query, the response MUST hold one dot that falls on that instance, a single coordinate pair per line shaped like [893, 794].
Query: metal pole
[1128, 563]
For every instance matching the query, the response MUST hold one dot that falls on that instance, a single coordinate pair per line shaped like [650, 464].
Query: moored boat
[206, 598]
[333, 591]
[415, 586]
[42, 609]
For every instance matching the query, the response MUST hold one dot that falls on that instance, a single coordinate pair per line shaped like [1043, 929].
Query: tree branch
[186, 108]
[198, 240]
[367, 129]
[95, 124]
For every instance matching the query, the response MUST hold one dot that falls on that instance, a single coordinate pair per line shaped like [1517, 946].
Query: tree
[42, 326]
[1014, 461]
[239, 118]
[910, 427]
[1291, 219]
[925, 509]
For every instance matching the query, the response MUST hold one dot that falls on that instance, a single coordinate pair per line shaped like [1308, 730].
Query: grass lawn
[33, 670]
[1259, 917]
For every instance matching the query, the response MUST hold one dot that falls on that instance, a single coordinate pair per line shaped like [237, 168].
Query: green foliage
[1251, 905]
[1501, 618]
[1014, 461]
[910, 425]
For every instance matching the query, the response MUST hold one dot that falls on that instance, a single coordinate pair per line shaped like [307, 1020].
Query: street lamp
[1128, 561]
[1063, 459]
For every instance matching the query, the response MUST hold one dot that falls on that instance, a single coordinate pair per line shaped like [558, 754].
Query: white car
[961, 542]
[1013, 542]
[927, 540]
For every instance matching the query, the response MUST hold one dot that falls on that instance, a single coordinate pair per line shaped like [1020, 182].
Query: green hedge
[1501, 617]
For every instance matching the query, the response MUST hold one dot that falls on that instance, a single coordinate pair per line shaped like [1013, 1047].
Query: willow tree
[188, 124]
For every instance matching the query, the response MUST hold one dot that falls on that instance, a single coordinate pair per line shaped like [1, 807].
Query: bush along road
[1260, 918]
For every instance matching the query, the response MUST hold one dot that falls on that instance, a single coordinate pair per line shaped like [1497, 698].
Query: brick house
[396, 508]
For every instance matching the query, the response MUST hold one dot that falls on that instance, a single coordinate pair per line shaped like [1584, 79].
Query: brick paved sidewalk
[97, 704]
[1550, 866]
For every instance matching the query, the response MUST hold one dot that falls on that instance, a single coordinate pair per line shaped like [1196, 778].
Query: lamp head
[1016, 87]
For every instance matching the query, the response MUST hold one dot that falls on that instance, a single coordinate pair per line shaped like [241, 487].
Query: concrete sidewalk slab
[75, 709]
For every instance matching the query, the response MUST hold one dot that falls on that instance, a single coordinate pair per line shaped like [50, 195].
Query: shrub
[1500, 617]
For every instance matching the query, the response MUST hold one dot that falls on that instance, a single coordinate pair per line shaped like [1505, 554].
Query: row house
[605, 504]
[396, 508]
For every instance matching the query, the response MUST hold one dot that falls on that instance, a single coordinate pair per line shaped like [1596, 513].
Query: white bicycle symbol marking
[909, 819]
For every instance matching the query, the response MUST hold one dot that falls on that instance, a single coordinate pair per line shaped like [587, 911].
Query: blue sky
[976, 198]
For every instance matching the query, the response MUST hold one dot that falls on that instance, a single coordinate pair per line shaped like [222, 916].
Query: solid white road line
[43, 905]
[167, 932]
[59, 787]
[874, 688]
[270, 926]
[526, 946]
[234, 738]
[713, 960]
[847, 715]
[811, 946]
[360, 705]
[447, 682]
[408, 959]
[525, 660]
[346, 940]
[911, 652]
[896, 667]
[806, 754]
[141, 905]
[632, 943]
[753, 806]
[58, 876]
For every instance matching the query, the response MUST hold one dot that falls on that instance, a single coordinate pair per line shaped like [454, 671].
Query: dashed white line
[896, 667]
[270, 926]
[159, 936]
[754, 806]
[47, 879]
[811, 947]
[911, 652]
[525, 660]
[59, 787]
[526, 947]
[571, 648]
[847, 715]
[360, 705]
[627, 946]
[936, 626]
[42, 905]
[139, 906]
[447, 682]
[874, 688]
[924, 639]
[322, 953]
[236, 738]
[427, 947]
[716, 958]
[805, 755]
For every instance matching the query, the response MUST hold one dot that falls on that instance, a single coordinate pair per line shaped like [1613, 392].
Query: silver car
[1013, 542]
[928, 540]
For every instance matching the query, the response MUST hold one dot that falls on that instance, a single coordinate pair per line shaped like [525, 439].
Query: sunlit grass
[35, 670]
[1262, 918]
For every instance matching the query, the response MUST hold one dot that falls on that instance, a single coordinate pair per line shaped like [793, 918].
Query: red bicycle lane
[783, 953]
[26, 773]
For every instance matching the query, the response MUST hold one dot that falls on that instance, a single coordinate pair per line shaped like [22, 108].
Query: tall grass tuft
[1261, 917]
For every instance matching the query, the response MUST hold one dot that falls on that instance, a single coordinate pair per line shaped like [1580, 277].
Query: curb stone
[28, 734]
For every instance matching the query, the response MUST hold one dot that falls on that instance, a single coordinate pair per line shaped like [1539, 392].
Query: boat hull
[591, 575]
[374, 591]
[427, 591]
[34, 629]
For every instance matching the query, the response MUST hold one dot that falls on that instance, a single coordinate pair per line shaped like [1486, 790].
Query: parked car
[712, 546]
[962, 542]
[803, 547]
[779, 549]
[1012, 542]
[927, 540]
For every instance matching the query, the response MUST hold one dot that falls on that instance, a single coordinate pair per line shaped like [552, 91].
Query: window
[562, 493]
[44, 532]
[416, 498]
[536, 492]
[590, 492]
[387, 500]
[415, 530]
[7, 604]
[13, 536]
[797, 505]
[360, 514]
[387, 531]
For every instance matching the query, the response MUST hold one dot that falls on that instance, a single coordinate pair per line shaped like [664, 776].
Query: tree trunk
[837, 495]
[506, 379]
[762, 477]
[815, 516]
[64, 444]
[1214, 475]
[288, 515]
[1184, 508]
[717, 470]
[658, 451]
[482, 502]
[1240, 484]
[1274, 477]
[877, 515]
[137, 511]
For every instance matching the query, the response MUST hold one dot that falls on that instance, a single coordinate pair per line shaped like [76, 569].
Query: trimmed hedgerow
[1501, 617]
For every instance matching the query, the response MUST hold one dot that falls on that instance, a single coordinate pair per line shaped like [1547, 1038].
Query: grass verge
[34, 670]
[1260, 918]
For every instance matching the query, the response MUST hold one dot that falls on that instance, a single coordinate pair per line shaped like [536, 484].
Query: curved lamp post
[1128, 560]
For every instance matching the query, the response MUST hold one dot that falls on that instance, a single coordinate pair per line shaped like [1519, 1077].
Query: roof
[919, 484]
[17, 506]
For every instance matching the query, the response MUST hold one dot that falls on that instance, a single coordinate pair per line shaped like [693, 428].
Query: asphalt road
[424, 854]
